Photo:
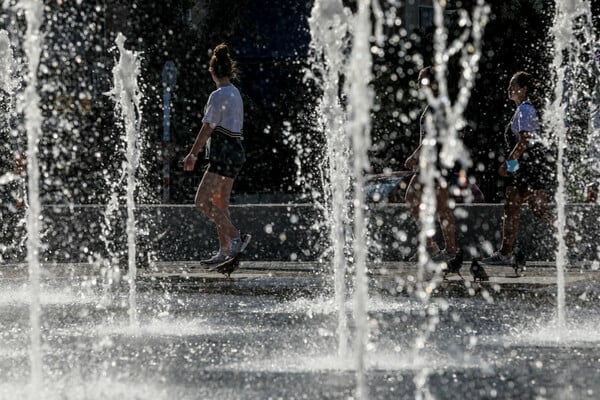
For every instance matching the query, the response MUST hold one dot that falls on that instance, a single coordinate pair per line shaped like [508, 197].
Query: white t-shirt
[225, 109]
[526, 119]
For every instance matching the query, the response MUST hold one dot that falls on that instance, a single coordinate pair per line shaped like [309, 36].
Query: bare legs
[212, 199]
[538, 203]
[510, 219]
[445, 214]
[446, 217]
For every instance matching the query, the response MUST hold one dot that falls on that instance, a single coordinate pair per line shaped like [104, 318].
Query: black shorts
[223, 169]
[525, 180]
[537, 171]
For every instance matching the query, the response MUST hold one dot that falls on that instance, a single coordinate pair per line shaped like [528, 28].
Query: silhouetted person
[222, 123]
[414, 192]
[527, 170]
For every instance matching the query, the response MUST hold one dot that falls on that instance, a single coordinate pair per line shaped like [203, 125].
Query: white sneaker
[246, 237]
[238, 245]
[216, 259]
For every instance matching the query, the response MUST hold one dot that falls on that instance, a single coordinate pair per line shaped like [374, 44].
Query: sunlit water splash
[447, 119]
[562, 30]
[360, 96]
[442, 127]
[127, 96]
[8, 80]
[594, 119]
[29, 105]
[329, 25]
[333, 28]
[6, 62]
[9, 84]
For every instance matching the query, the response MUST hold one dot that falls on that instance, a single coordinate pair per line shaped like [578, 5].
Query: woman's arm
[190, 160]
[413, 160]
[521, 146]
[517, 151]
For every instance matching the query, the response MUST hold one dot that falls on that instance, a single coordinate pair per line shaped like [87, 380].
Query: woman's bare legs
[538, 202]
[413, 200]
[446, 216]
[221, 201]
[510, 219]
[212, 198]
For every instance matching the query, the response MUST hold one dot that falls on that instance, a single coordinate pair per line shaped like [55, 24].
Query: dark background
[81, 150]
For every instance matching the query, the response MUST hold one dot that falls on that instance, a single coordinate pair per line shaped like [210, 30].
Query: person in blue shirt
[221, 136]
[528, 169]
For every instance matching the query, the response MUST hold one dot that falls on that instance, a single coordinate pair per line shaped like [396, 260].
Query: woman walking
[221, 135]
[527, 168]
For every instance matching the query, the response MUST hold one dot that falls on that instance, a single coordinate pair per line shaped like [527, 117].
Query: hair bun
[221, 62]
[222, 51]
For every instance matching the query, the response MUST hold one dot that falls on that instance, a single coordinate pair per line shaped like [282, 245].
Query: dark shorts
[527, 180]
[223, 169]
[536, 171]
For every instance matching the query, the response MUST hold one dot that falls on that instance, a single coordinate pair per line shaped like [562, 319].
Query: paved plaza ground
[308, 276]
[272, 331]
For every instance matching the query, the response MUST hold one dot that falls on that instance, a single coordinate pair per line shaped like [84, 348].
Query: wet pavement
[389, 277]
[271, 332]
[291, 279]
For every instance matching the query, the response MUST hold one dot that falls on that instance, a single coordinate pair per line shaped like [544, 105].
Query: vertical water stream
[127, 96]
[29, 102]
